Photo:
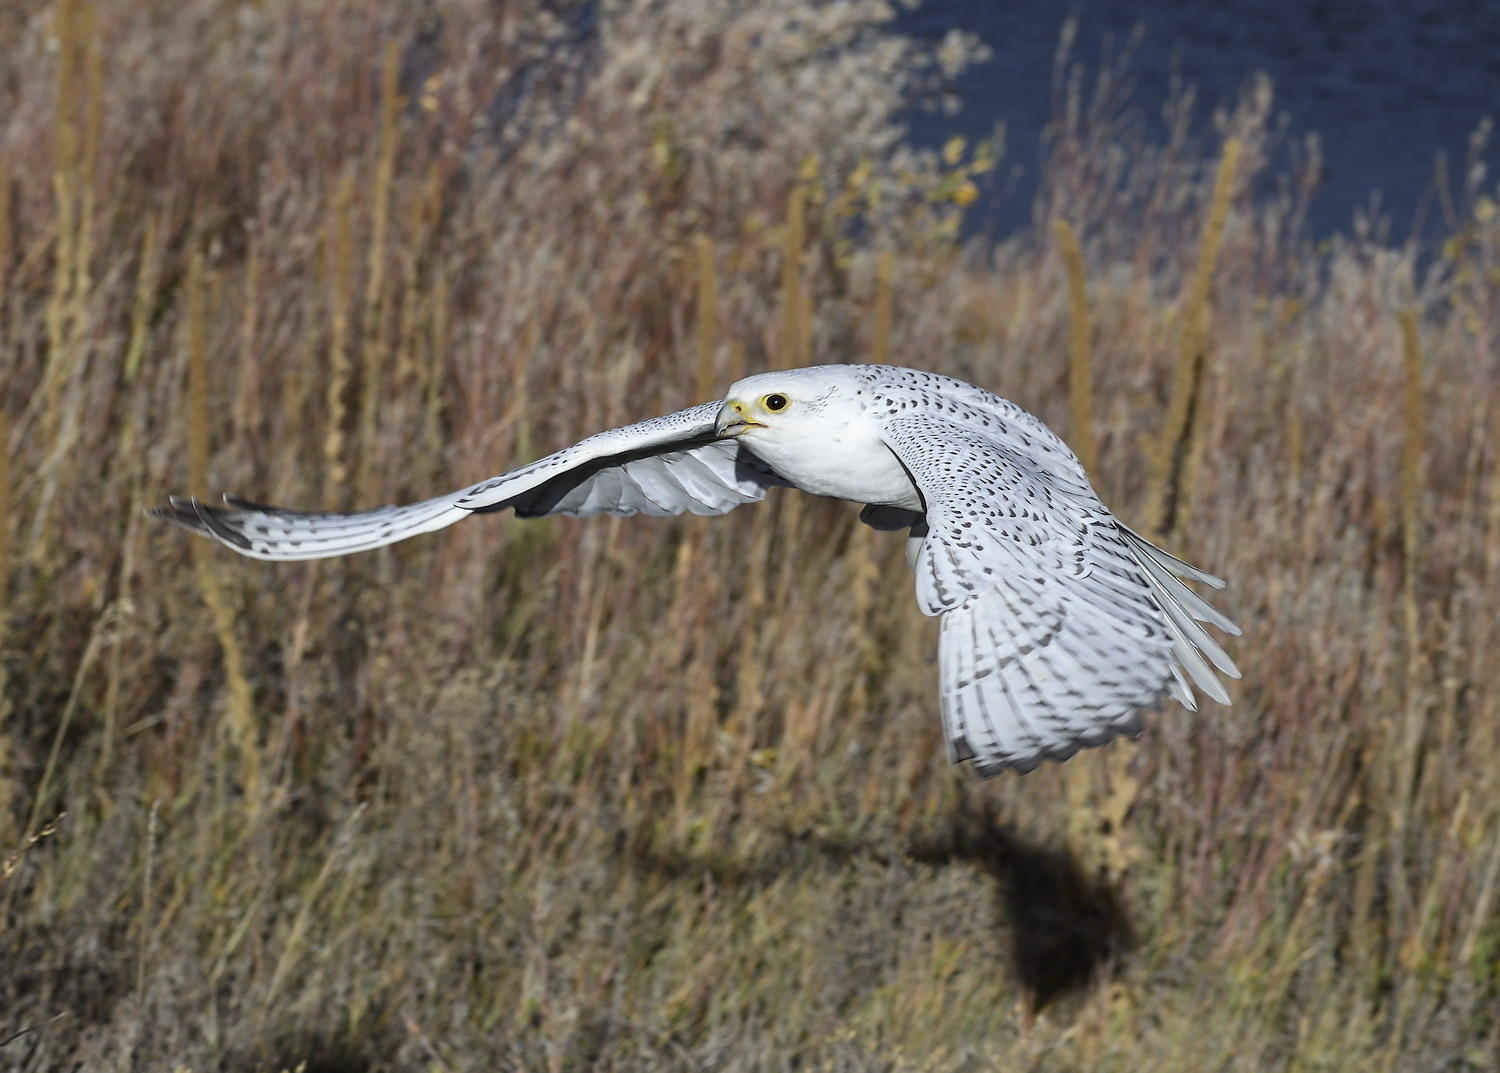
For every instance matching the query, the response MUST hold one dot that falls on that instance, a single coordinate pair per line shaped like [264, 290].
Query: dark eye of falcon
[775, 403]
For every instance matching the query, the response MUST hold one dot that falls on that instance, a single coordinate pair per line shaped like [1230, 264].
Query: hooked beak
[734, 418]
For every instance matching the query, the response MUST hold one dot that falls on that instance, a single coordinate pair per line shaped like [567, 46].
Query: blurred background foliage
[634, 794]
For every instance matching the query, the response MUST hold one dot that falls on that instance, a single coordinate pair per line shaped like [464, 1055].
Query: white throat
[837, 456]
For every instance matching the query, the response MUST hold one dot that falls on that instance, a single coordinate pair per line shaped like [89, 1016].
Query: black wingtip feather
[178, 511]
[191, 513]
[214, 525]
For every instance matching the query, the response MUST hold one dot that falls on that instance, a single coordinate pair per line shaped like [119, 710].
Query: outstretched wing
[668, 465]
[1059, 626]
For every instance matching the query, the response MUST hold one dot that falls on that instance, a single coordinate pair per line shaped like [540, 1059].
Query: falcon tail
[1184, 609]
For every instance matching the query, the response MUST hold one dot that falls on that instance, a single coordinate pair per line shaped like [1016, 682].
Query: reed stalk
[7, 517]
[1080, 348]
[377, 300]
[439, 341]
[65, 302]
[6, 237]
[132, 463]
[1169, 452]
[1409, 755]
[338, 255]
[147, 279]
[791, 349]
[7, 749]
[1411, 472]
[241, 727]
[708, 319]
[885, 286]
[247, 391]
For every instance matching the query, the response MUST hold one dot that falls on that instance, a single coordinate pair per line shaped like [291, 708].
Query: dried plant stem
[1080, 349]
[338, 256]
[241, 705]
[438, 343]
[6, 519]
[6, 516]
[1169, 452]
[1411, 471]
[148, 276]
[6, 235]
[708, 319]
[885, 285]
[1411, 537]
[863, 578]
[793, 344]
[247, 391]
[377, 300]
[1492, 526]
[75, 159]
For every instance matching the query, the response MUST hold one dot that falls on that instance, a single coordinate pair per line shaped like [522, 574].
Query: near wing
[667, 465]
[1058, 624]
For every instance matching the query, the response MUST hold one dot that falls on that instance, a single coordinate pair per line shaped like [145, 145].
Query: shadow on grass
[1066, 927]
[292, 1054]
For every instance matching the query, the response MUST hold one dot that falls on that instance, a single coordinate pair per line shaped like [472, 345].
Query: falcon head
[781, 400]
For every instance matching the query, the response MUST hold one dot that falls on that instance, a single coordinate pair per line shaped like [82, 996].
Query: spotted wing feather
[1059, 626]
[668, 465]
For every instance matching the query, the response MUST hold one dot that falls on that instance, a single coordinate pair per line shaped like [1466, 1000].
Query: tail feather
[1184, 609]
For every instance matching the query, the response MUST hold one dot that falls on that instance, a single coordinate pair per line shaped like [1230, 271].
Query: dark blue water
[1388, 85]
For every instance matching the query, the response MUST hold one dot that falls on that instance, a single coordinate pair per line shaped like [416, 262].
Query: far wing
[668, 465]
[1055, 633]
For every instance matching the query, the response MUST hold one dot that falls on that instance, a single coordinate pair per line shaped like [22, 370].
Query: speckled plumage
[1059, 626]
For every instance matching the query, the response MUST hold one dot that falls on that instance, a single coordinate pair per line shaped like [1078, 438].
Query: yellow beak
[734, 418]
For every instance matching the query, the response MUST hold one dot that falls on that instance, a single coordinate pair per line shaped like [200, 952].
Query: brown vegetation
[632, 794]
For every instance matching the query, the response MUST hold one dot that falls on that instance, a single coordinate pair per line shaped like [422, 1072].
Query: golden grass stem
[791, 349]
[1080, 348]
[7, 238]
[96, 641]
[241, 706]
[337, 244]
[148, 275]
[114, 668]
[863, 578]
[64, 302]
[196, 319]
[1411, 467]
[247, 391]
[148, 272]
[1411, 536]
[1170, 451]
[1492, 528]
[377, 300]
[708, 319]
[7, 756]
[885, 286]
[93, 123]
[6, 519]
[438, 343]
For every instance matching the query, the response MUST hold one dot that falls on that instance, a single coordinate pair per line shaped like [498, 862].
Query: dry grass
[625, 794]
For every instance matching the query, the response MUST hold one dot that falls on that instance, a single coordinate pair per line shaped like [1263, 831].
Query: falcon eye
[775, 403]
